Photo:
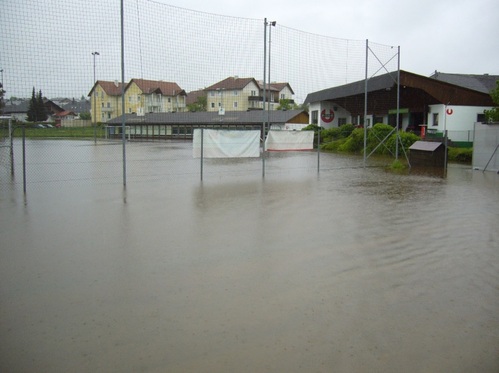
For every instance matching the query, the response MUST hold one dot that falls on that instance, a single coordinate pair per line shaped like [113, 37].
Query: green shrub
[346, 130]
[354, 143]
[330, 134]
[333, 145]
[461, 155]
[407, 139]
[375, 135]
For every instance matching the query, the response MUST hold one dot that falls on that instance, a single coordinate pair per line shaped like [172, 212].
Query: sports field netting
[60, 50]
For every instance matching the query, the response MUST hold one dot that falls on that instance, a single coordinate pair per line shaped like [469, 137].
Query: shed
[427, 154]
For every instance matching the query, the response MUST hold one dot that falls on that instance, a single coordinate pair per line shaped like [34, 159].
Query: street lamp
[94, 114]
[271, 24]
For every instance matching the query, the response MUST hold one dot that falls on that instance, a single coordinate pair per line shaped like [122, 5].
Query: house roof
[442, 92]
[111, 88]
[482, 83]
[429, 146]
[280, 86]
[192, 96]
[205, 117]
[157, 86]
[66, 113]
[232, 82]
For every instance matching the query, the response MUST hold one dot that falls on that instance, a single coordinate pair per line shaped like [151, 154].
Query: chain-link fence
[170, 57]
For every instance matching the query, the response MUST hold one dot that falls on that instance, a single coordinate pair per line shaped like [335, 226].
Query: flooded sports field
[351, 269]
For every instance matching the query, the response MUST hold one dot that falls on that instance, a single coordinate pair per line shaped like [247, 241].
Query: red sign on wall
[327, 117]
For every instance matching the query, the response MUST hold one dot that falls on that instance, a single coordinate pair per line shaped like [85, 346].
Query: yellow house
[242, 94]
[105, 100]
[151, 96]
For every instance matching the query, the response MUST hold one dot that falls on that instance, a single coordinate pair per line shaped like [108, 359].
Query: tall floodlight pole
[398, 105]
[271, 24]
[94, 114]
[123, 136]
[365, 102]
[264, 91]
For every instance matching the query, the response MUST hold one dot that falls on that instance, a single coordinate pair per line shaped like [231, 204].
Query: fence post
[202, 139]
[24, 158]
[318, 149]
[11, 138]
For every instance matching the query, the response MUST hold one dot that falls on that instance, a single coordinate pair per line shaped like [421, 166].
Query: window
[212, 105]
[129, 109]
[108, 104]
[212, 93]
[169, 99]
[435, 119]
[481, 118]
[219, 104]
[342, 121]
[129, 98]
[235, 104]
[102, 104]
[253, 93]
[283, 96]
[102, 95]
[108, 115]
[138, 98]
[315, 116]
[235, 93]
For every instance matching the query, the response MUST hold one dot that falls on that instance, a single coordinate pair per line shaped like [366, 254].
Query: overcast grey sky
[315, 45]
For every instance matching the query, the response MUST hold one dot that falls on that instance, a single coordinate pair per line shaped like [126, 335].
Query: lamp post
[94, 114]
[271, 24]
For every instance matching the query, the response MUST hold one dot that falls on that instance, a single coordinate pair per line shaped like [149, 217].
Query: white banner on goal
[290, 140]
[226, 143]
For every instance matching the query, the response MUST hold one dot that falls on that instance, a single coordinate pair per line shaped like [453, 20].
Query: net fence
[60, 50]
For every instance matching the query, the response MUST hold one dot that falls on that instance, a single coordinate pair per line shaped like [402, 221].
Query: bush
[461, 155]
[376, 135]
[354, 143]
[330, 134]
[346, 130]
[333, 145]
[407, 139]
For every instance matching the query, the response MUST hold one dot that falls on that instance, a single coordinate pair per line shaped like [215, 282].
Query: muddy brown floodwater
[351, 270]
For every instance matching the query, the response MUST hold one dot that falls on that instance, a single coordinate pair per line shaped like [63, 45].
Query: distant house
[193, 96]
[141, 96]
[18, 110]
[152, 96]
[424, 101]
[242, 94]
[105, 100]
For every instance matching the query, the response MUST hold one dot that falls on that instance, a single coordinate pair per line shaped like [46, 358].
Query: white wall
[454, 118]
[338, 112]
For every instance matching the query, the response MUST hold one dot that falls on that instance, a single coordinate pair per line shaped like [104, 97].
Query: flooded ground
[349, 270]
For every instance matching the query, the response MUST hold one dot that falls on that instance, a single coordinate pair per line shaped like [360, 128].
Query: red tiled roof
[155, 86]
[231, 82]
[111, 88]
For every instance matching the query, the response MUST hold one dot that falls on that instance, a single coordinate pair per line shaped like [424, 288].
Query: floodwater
[349, 270]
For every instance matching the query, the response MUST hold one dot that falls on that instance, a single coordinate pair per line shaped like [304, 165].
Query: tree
[32, 107]
[40, 108]
[85, 115]
[36, 110]
[199, 105]
[492, 115]
[284, 104]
